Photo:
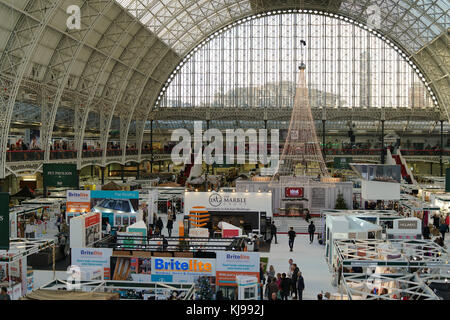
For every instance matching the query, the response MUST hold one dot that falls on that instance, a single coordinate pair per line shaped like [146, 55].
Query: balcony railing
[36, 155]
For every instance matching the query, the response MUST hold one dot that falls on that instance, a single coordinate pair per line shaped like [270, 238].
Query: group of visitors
[157, 226]
[284, 286]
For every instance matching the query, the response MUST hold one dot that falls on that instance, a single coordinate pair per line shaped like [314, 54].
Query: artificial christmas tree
[302, 156]
[340, 202]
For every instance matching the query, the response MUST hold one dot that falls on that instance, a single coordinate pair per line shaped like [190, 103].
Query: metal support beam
[103, 175]
[323, 140]
[382, 142]
[207, 165]
[151, 146]
[442, 149]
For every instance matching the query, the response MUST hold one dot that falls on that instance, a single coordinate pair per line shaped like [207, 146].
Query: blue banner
[99, 194]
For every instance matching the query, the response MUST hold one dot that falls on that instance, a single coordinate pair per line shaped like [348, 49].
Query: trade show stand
[14, 272]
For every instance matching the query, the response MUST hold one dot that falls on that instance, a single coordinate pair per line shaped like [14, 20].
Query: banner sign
[229, 201]
[60, 175]
[78, 201]
[93, 257]
[407, 224]
[181, 270]
[230, 264]
[293, 192]
[97, 194]
[4, 221]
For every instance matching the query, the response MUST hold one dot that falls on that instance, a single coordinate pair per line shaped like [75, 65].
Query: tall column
[121, 172]
[151, 146]
[442, 148]
[103, 175]
[207, 165]
[382, 141]
[323, 140]
[138, 171]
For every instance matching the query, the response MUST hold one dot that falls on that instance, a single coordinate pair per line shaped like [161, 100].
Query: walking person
[159, 225]
[300, 286]
[292, 236]
[285, 286]
[443, 229]
[294, 279]
[311, 230]
[273, 232]
[155, 219]
[169, 227]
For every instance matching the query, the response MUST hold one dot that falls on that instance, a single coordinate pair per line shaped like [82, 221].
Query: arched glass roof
[184, 23]
[254, 64]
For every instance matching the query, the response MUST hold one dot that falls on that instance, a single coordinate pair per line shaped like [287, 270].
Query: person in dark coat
[159, 225]
[311, 230]
[294, 279]
[292, 236]
[169, 227]
[443, 229]
[285, 286]
[273, 232]
[426, 232]
[272, 287]
[300, 286]
[436, 221]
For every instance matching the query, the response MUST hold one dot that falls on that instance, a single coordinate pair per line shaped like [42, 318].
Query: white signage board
[229, 201]
[233, 261]
[376, 190]
[89, 258]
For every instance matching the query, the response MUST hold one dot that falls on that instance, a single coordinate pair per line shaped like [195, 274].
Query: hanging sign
[60, 175]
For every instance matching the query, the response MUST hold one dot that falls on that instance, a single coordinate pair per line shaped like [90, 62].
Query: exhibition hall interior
[247, 150]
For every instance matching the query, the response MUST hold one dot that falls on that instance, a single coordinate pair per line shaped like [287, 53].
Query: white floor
[310, 260]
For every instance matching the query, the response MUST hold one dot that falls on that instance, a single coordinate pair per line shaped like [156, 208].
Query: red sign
[228, 278]
[293, 192]
[90, 221]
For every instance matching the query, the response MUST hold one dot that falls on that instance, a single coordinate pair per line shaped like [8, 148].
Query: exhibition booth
[248, 211]
[14, 272]
[357, 286]
[291, 196]
[406, 228]
[347, 227]
[373, 256]
[420, 209]
[119, 208]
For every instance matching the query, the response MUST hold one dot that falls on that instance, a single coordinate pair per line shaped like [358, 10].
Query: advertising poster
[60, 175]
[78, 201]
[35, 143]
[230, 264]
[181, 270]
[4, 221]
[93, 231]
[120, 208]
[93, 258]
